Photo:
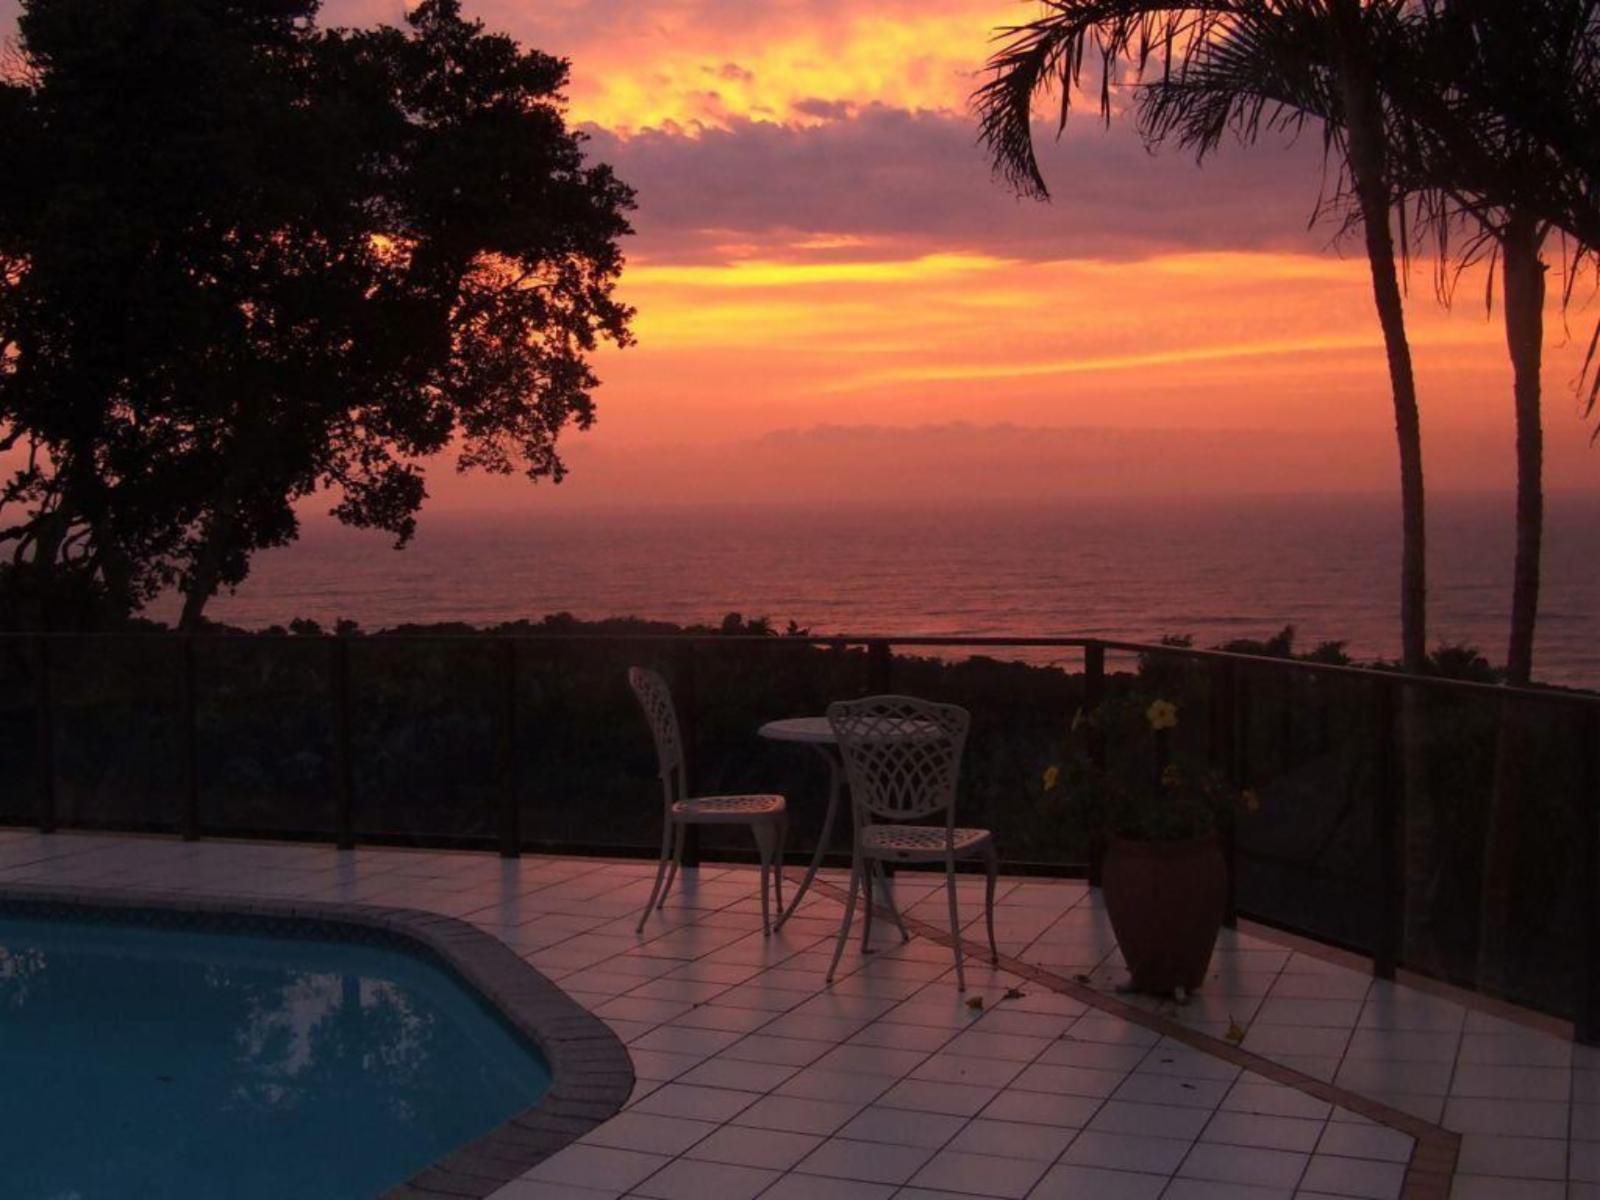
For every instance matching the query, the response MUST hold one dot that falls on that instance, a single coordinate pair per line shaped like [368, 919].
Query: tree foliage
[244, 259]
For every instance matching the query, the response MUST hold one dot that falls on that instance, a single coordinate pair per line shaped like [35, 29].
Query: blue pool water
[153, 1064]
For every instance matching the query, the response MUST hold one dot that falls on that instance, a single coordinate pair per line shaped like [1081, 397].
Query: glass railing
[1431, 823]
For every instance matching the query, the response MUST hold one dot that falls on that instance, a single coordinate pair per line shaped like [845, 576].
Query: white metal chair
[767, 815]
[902, 758]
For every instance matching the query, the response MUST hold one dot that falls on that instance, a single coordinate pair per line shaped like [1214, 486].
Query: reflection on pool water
[153, 1063]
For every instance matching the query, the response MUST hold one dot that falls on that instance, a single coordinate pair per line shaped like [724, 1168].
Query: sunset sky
[836, 299]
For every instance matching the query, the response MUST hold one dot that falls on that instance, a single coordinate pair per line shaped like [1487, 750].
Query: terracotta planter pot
[1166, 901]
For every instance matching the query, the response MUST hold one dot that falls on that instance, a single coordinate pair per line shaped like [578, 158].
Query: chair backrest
[902, 755]
[655, 697]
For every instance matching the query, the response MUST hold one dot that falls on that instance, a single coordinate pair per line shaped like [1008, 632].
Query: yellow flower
[1171, 777]
[1052, 775]
[1162, 714]
[1252, 802]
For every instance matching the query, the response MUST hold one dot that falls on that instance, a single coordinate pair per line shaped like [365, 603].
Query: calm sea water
[1213, 568]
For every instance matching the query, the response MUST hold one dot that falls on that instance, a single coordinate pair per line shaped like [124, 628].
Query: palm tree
[1501, 135]
[1502, 143]
[1491, 131]
[1251, 66]
[1320, 58]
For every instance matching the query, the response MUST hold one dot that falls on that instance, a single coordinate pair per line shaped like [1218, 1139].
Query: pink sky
[836, 300]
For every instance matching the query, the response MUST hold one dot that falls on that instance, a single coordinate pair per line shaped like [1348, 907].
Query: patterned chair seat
[908, 842]
[712, 810]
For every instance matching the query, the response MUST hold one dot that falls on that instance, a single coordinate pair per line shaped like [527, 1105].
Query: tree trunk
[223, 520]
[1524, 316]
[1367, 159]
[1524, 310]
[202, 581]
[1408, 429]
[40, 604]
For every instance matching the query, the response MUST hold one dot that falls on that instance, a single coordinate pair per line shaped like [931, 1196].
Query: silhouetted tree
[244, 259]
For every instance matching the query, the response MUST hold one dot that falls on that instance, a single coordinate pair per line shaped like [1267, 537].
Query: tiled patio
[756, 1080]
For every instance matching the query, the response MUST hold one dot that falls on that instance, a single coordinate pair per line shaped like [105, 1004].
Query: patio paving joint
[1430, 1173]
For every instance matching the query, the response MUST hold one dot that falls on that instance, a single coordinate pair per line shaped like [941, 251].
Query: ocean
[1211, 568]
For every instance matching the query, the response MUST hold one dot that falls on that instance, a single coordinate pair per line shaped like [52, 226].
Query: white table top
[814, 730]
[817, 731]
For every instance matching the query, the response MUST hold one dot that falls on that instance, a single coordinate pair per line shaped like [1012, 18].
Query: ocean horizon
[1211, 568]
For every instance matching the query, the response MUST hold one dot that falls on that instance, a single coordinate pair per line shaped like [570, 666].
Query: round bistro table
[817, 733]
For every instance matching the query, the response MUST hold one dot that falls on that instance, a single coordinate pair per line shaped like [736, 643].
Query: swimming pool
[158, 1062]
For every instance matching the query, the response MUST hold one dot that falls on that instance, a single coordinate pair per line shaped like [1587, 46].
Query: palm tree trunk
[1524, 315]
[1408, 432]
[1524, 309]
[1367, 157]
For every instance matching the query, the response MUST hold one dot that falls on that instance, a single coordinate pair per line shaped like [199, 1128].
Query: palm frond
[1263, 74]
[1499, 120]
[1045, 58]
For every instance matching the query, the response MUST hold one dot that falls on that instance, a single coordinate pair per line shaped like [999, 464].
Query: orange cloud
[693, 64]
[798, 65]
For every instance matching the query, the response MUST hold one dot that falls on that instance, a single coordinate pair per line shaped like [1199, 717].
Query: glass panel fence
[1487, 825]
[117, 713]
[19, 713]
[423, 751]
[1307, 754]
[264, 722]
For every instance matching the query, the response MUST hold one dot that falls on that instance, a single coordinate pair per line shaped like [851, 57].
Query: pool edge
[592, 1075]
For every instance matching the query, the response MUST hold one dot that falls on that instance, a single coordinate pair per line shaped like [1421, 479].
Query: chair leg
[992, 858]
[777, 874]
[866, 910]
[677, 857]
[765, 835]
[955, 921]
[661, 870]
[849, 915]
[894, 909]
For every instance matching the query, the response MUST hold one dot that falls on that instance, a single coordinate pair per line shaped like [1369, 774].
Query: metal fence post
[343, 779]
[687, 701]
[1094, 692]
[1230, 718]
[44, 735]
[1587, 1023]
[1386, 819]
[880, 661]
[510, 813]
[880, 681]
[189, 826]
